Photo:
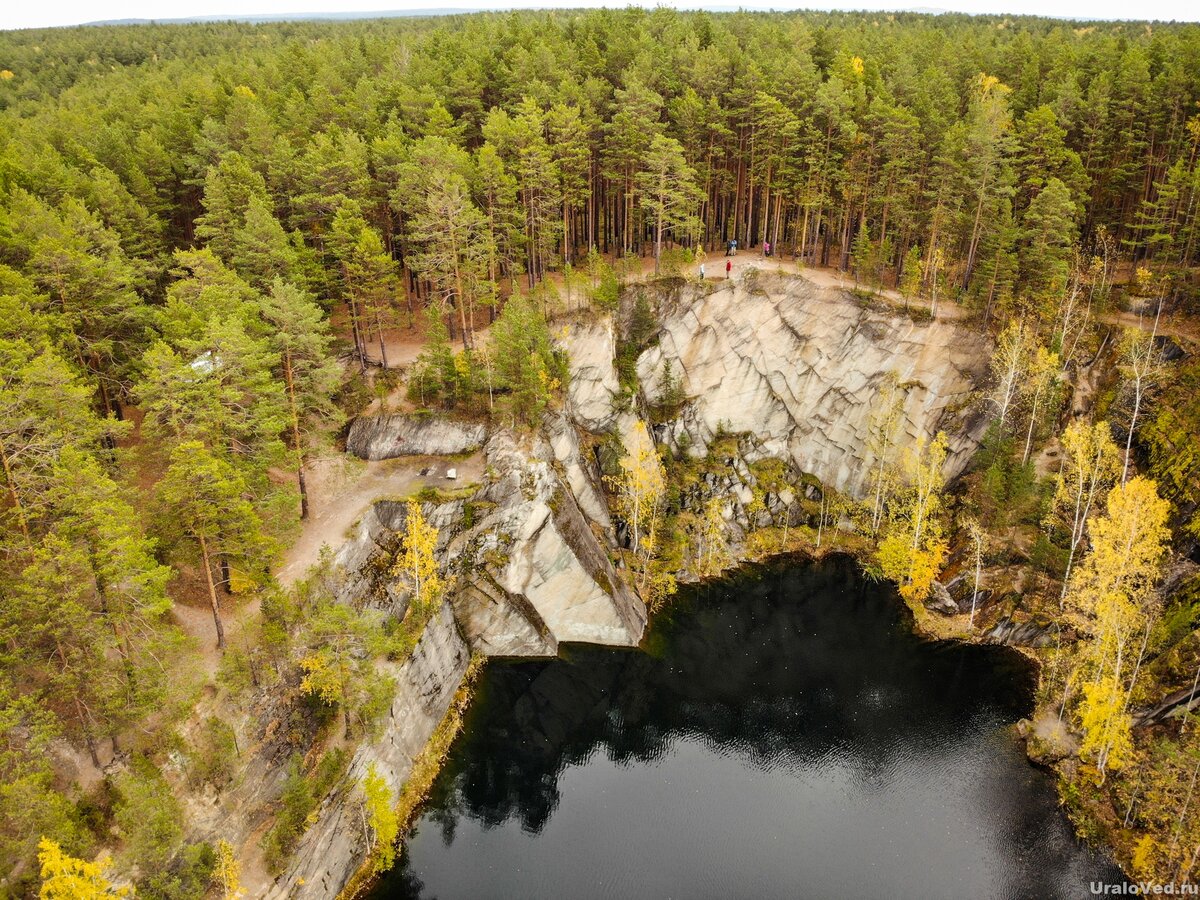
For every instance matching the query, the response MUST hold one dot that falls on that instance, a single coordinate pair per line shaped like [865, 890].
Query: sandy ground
[341, 490]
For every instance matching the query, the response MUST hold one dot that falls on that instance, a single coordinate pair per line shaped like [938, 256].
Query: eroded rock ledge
[801, 368]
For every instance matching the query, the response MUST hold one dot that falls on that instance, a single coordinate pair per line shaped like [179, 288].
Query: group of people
[731, 250]
[731, 247]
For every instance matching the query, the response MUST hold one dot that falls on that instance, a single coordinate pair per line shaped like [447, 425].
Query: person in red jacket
[728, 266]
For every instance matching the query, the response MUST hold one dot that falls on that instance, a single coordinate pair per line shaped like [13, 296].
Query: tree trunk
[212, 592]
[15, 498]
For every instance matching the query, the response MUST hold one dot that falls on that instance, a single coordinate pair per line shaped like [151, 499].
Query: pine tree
[311, 374]
[668, 192]
[1048, 236]
[368, 279]
[230, 188]
[452, 245]
[43, 409]
[339, 660]
[527, 365]
[206, 499]
[261, 250]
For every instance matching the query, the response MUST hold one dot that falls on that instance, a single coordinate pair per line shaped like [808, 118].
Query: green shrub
[212, 759]
[148, 816]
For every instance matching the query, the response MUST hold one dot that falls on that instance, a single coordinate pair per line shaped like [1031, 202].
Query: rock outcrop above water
[386, 437]
[802, 368]
[333, 848]
[529, 572]
[792, 371]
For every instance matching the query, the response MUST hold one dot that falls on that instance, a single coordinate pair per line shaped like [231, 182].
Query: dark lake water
[783, 734]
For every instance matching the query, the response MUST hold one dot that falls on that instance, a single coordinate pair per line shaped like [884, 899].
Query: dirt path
[823, 277]
[341, 489]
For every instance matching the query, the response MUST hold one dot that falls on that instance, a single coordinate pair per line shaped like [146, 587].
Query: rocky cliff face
[794, 371]
[533, 569]
[333, 849]
[801, 368]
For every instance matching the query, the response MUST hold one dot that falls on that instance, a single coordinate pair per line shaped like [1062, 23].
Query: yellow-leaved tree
[67, 878]
[914, 548]
[712, 549]
[1089, 468]
[229, 872]
[640, 488]
[1112, 600]
[418, 562]
[381, 824]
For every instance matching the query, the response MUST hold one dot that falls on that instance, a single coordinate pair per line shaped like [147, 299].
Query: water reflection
[783, 735]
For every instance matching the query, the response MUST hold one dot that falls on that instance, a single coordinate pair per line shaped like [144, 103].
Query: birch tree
[1112, 598]
[1010, 361]
[912, 552]
[886, 417]
[1089, 468]
[417, 562]
[1039, 383]
[1142, 364]
[640, 486]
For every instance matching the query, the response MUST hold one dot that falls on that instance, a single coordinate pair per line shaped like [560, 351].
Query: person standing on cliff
[701, 271]
[728, 266]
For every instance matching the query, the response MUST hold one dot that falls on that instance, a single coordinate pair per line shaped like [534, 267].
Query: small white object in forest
[452, 474]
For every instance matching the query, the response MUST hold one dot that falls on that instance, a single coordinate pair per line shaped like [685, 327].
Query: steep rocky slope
[801, 368]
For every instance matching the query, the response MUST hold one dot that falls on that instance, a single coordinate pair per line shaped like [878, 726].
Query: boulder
[386, 437]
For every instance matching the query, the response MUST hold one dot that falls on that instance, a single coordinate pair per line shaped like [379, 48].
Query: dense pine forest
[213, 236]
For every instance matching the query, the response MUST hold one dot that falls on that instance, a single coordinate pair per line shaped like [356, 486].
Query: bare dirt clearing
[342, 488]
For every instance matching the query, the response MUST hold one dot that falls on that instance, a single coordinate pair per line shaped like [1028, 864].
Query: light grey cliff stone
[386, 437]
[592, 351]
[538, 546]
[801, 367]
[333, 849]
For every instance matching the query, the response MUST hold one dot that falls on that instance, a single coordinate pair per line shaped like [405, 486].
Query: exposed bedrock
[792, 369]
[386, 437]
[800, 367]
[333, 848]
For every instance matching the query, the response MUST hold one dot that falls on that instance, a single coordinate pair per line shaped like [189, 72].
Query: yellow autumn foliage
[67, 878]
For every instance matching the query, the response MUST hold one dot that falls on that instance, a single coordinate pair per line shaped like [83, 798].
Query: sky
[19, 14]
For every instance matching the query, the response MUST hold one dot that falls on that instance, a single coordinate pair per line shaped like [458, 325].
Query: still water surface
[783, 734]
